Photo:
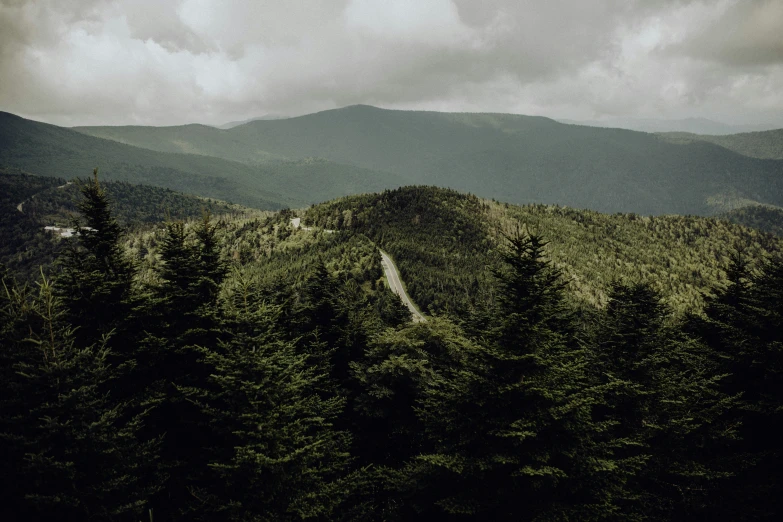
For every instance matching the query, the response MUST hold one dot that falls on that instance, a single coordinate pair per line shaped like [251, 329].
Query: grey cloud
[748, 34]
[146, 61]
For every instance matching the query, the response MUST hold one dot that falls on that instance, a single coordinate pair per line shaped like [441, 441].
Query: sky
[155, 62]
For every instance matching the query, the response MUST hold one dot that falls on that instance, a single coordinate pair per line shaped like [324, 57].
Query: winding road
[396, 285]
[392, 276]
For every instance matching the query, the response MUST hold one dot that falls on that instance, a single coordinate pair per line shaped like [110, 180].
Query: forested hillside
[763, 144]
[242, 369]
[445, 244]
[29, 203]
[516, 159]
[48, 150]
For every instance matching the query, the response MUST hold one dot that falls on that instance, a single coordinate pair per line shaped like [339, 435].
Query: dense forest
[29, 203]
[241, 369]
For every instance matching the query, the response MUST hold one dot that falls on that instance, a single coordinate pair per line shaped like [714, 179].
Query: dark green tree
[96, 276]
[72, 447]
[742, 325]
[280, 456]
[183, 319]
[669, 419]
[513, 429]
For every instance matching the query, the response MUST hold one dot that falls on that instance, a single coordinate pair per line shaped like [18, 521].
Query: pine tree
[759, 368]
[668, 416]
[742, 326]
[97, 277]
[183, 320]
[739, 327]
[72, 446]
[281, 457]
[513, 429]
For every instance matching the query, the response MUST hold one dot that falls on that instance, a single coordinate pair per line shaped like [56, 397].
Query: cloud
[152, 62]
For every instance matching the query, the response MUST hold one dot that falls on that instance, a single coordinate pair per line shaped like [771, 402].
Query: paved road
[396, 285]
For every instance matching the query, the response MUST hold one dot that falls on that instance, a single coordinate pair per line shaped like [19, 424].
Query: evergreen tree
[280, 456]
[72, 447]
[185, 319]
[668, 417]
[758, 366]
[742, 326]
[97, 277]
[513, 429]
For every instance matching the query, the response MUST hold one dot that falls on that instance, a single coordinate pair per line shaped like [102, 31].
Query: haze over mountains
[692, 125]
[517, 159]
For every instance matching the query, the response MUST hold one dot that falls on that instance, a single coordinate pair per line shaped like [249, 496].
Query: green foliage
[25, 246]
[71, 452]
[765, 218]
[244, 369]
[96, 275]
[667, 413]
[444, 244]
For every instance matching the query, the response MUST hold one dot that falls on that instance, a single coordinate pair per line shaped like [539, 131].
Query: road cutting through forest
[392, 276]
[396, 285]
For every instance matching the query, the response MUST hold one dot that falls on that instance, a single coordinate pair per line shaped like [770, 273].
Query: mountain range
[691, 125]
[357, 149]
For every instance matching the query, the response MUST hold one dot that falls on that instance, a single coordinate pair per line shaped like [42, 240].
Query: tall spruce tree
[742, 326]
[71, 446]
[280, 456]
[183, 320]
[514, 435]
[668, 416]
[97, 276]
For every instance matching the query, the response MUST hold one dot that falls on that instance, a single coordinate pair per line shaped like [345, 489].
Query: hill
[765, 145]
[517, 159]
[28, 203]
[445, 244]
[55, 151]
[688, 125]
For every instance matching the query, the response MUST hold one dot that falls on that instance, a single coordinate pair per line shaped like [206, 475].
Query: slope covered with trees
[444, 243]
[49, 150]
[29, 203]
[516, 159]
[763, 144]
[246, 370]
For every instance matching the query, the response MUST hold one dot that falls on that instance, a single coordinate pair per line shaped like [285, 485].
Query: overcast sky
[155, 62]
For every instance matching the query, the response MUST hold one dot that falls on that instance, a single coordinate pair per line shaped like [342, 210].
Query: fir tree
[281, 457]
[515, 437]
[184, 319]
[97, 277]
[669, 419]
[74, 452]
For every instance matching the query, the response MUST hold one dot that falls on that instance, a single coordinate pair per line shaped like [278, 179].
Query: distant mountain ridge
[691, 125]
[511, 158]
[48, 150]
[519, 159]
[762, 144]
[232, 124]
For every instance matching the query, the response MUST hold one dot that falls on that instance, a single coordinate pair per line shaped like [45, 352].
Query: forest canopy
[238, 368]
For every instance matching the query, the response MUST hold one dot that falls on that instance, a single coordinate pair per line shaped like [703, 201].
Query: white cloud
[152, 62]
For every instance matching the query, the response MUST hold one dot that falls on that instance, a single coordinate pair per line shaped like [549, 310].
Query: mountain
[518, 159]
[764, 145]
[232, 124]
[49, 150]
[445, 243]
[691, 125]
